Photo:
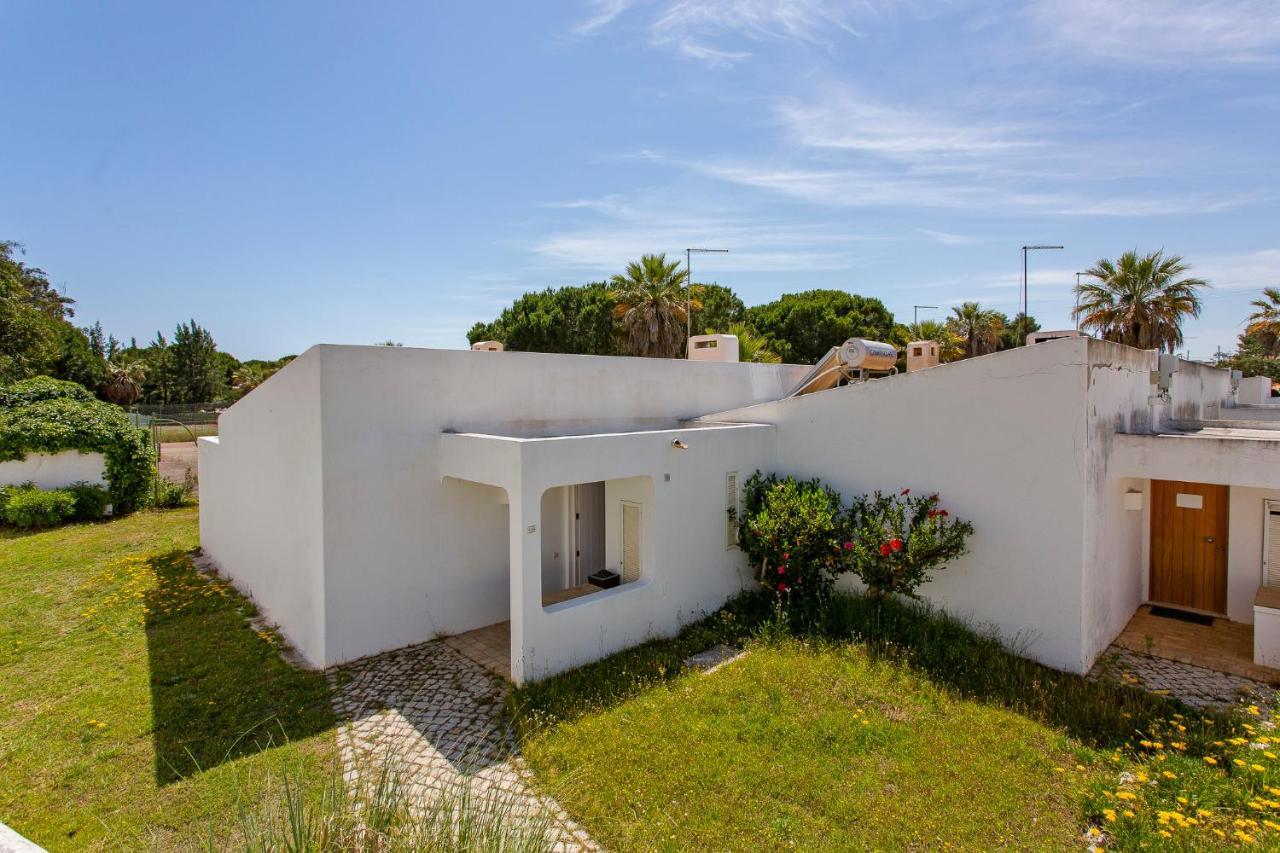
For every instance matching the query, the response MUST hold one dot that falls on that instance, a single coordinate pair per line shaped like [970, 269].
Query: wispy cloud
[603, 13]
[617, 228]
[1163, 32]
[947, 238]
[724, 32]
[846, 120]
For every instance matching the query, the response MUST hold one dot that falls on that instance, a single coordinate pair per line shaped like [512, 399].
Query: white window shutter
[630, 542]
[1271, 545]
[731, 509]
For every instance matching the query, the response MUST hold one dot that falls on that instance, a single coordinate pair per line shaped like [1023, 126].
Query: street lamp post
[915, 313]
[688, 289]
[1026, 308]
[1075, 315]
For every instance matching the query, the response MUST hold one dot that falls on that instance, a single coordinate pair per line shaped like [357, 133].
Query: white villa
[370, 498]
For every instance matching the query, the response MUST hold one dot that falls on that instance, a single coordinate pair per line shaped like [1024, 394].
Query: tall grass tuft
[381, 813]
[948, 651]
[1098, 712]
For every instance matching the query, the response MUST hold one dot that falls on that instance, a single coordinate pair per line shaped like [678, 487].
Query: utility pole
[915, 313]
[1075, 315]
[1026, 309]
[688, 289]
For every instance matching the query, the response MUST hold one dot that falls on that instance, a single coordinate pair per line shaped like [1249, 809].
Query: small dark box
[604, 579]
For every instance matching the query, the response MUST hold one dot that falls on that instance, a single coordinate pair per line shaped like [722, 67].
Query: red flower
[933, 498]
[884, 550]
[906, 492]
[782, 570]
[786, 556]
[942, 512]
[895, 544]
[848, 546]
[782, 587]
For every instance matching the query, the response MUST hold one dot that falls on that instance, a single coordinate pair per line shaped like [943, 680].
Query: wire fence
[190, 414]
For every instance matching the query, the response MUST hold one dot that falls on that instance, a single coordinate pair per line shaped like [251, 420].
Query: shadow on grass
[219, 689]
[937, 646]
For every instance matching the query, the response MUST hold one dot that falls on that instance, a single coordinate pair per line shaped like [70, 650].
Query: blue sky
[294, 173]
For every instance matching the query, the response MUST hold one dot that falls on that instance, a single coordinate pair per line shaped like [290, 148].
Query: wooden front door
[1189, 545]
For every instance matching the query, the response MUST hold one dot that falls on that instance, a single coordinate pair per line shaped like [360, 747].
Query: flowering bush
[895, 541]
[791, 530]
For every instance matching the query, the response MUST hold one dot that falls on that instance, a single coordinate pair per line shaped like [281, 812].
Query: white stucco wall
[1198, 392]
[404, 554]
[261, 517]
[1119, 401]
[1244, 548]
[686, 567]
[1001, 439]
[54, 470]
[1254, 391]
[639, 491]
[556, 538]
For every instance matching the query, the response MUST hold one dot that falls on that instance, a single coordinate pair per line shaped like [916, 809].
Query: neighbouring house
[373, 497]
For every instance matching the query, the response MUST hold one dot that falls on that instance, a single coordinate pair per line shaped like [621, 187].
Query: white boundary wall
[998, 438]
[55, 470]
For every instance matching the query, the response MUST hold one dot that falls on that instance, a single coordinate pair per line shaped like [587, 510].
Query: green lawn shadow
[219, 688]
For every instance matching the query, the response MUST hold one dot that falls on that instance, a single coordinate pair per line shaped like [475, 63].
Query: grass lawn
[138, 709]
[172, 433]
[812, 747]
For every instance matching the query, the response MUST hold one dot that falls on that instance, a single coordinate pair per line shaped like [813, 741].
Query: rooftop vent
[487, 346]
[713, 348]
[922, 355]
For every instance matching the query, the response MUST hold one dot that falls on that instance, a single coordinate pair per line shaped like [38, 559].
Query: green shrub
[896, 541]
[31, 507]
[45, 416]
[41, 388]
[91, 501]
[171, 495]
[792, 532]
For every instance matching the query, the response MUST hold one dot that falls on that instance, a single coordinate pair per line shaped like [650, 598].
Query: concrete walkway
[438, 716]
[12, 842]
[1197, 686]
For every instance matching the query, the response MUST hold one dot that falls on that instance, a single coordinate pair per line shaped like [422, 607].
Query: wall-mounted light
[678, 444]
[1133, 500]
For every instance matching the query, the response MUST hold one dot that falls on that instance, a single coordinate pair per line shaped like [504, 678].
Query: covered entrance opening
[1189, 524]
[573, 537]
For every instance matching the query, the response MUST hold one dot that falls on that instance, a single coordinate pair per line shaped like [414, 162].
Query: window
[917, 351]
[1271, 544]
[630, 541]
[731, 509]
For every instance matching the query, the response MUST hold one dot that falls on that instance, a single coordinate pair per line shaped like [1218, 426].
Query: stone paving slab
[1197, 686]
[713, 658]
[438, 716]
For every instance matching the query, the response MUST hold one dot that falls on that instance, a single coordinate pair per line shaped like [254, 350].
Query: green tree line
[38, 337]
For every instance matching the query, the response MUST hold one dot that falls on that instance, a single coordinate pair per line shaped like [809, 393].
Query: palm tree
[1264, 324]
[977, 328]
[1140, 300]
[123, 383]
[751, 346]
[653, 306]
[950, 347]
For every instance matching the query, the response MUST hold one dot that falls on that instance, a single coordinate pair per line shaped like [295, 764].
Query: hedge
[44, 415]
[41, 388]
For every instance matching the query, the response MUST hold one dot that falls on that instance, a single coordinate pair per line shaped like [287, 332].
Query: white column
[526, 574]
